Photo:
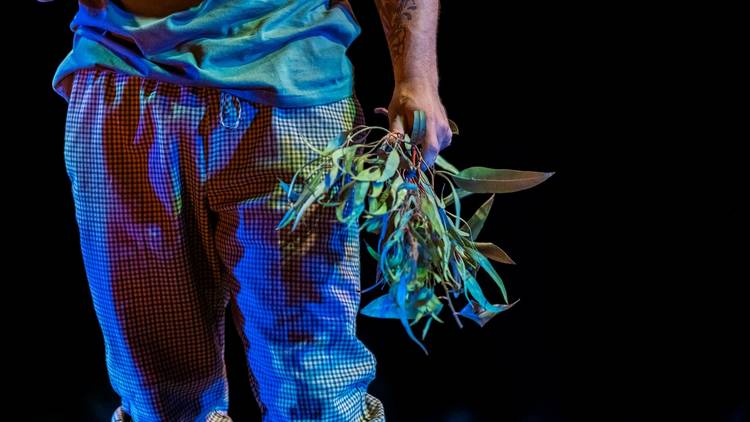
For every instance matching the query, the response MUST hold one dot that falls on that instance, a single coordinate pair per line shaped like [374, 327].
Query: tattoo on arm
[395, 15]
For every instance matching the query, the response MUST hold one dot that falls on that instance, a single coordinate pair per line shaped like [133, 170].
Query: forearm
[411, 29]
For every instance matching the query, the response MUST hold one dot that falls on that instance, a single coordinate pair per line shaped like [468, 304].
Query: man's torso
[286, 53]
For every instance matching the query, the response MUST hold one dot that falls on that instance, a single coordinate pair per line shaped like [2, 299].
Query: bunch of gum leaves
[425, 253]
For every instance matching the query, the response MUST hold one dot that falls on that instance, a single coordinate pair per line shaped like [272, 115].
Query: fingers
[430, 148]
[446, 136]
[438, 137]
[438, 134]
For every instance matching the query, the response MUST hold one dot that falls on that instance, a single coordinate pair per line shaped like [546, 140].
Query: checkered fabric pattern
[177, 196]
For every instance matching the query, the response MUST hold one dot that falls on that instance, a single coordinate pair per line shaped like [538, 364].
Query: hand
[420, 95]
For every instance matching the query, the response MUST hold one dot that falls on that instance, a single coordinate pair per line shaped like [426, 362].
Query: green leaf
[344, 193]
[426, 327]
[332, 176]
[343, 152]
[358, 204]
[462, 193]
[407, 185]
[453, 126]
[456, 202]
[428, 192]
[480, 315]
[419, 125]
[359, 163]
[385, 219]
[377, 189]
[372, 252]
[312, 147]
[449, 223]
[402, 311]
[391, 165]
[286, 219]
[430, 209]
[488, 180]
[371, 224]
[476, 222]
[368, 175]
[485, 263]
[310, 193]
[310, 199]
[446, 246]
[441, 162]
[476, 292]
[310, 186]
[336, 142]
[399, 195]
[401, 219]
[493, 252]
[375, 207]
[382, 307]
[382, 209]
[289, 189]
[349, 158]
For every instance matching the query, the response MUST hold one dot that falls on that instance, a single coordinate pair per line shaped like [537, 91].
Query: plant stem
[450, 303]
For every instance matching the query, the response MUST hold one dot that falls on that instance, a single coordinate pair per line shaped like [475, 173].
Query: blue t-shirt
[285, 53]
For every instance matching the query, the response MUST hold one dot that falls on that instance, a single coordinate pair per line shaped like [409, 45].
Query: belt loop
[223, 97]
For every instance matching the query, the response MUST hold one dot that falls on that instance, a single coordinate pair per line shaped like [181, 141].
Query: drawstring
[223, 98]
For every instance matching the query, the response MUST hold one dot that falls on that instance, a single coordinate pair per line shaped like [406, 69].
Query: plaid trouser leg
[295, 293]
[176, 214]
[145, 242]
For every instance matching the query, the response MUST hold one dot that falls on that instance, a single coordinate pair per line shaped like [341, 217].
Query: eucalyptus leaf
[487, 266]
[291, 195]
[480, 315]
[332, 176]
[382, 209]
[344, 192]
[488, 180]
[404, 321]
[371, 224]
[443, 163]
[376, 189]
[371, 174]
[493, 252]
[318, 190]
[476, 222]
[288, 216]
[462, 193]
[476, 292]
[383, 307]
[372, 252]
[343, 153]
[426, 328]
[453, 126]
[335, 142]
[312, 147]
[456, 202]
[390, 165]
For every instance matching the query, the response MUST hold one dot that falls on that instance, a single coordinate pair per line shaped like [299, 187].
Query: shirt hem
[62, 85]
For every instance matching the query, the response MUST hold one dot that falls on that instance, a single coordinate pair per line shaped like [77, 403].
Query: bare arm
[410, 28]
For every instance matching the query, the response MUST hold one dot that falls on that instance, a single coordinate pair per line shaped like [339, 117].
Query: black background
[609, 327]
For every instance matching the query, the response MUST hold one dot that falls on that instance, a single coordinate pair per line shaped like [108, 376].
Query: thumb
[397, 124]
